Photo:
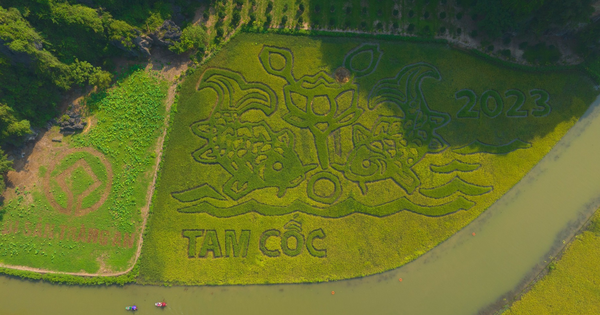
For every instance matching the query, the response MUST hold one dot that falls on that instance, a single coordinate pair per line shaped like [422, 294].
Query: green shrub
[154, 21]
[427, 31]
[542, 54]
[220, 32]
[221, 13]
[523, 45]
[252, 17]
[235, 18]
[193, 37]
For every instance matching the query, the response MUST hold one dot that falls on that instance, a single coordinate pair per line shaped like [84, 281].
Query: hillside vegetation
[50, 47]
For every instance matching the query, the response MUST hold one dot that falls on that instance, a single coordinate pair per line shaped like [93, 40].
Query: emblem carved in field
[87, 195]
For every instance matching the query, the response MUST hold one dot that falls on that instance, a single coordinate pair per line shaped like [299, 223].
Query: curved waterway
[466, 274]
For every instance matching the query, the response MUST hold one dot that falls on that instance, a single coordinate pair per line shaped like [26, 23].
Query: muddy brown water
[513, 240]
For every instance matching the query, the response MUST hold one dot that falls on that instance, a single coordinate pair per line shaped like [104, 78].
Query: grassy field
[282, 166]
[571, 286]
[81, 212]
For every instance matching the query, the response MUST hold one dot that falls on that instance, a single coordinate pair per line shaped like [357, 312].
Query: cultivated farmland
[297, 159]
[80, 212]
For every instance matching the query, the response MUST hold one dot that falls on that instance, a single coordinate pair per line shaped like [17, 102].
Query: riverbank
[569, 283]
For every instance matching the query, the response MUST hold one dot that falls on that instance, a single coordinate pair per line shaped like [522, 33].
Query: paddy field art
[81, 210]
[282, 159]
[339, 157]
[306, 159]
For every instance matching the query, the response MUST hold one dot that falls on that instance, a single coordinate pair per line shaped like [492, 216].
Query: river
[513, 240]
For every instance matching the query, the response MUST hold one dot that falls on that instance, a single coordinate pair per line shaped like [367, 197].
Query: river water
[513, 240]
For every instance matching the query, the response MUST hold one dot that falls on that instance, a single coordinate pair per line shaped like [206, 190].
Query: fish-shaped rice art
[254, 155]
[396, 143]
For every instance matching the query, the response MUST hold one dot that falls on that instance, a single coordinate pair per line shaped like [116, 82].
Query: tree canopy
[516, 16]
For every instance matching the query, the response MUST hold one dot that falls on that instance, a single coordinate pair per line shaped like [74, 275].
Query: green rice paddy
[282, 168]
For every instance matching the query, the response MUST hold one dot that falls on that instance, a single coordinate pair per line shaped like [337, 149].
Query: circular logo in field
[78, 182]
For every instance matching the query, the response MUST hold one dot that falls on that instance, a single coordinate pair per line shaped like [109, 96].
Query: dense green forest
[48, 47]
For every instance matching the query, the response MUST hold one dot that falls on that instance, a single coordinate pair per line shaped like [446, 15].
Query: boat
[132, 308]
[160, 304]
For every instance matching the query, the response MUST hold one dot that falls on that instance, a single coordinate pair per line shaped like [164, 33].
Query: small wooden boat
[160, 304]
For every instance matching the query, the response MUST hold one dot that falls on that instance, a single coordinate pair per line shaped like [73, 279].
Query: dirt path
[88, 126]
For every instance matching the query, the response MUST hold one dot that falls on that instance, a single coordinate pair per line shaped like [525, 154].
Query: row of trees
[497, 18]
[508, 18]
